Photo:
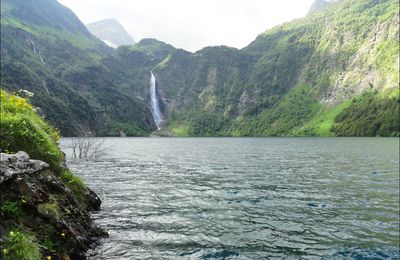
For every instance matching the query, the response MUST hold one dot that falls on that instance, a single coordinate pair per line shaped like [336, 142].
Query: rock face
[12, 165]
[46, 207]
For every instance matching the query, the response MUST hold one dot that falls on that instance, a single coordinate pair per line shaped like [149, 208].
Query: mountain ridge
[279, 84]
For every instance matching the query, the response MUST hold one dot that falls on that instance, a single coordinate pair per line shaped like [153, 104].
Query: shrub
[11, 209]
[50, 209]
[21, 246]
[75, 184]
[370, 114]
[22, 129]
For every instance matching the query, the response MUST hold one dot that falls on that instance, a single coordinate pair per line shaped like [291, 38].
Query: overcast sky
[192, 24]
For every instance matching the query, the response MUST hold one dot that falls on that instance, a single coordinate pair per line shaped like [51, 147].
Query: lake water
[246, 198]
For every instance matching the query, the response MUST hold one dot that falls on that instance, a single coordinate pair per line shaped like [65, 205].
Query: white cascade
[35, 52]
[154, 104]
[33, 47]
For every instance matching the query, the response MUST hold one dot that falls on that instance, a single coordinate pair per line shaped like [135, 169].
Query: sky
[192, 24]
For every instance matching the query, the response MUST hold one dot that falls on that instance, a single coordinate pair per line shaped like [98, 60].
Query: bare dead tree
[87, 146]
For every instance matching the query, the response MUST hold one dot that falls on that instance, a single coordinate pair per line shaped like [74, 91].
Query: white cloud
[193, 24]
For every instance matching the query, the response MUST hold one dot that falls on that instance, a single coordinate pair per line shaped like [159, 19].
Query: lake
[246, 198]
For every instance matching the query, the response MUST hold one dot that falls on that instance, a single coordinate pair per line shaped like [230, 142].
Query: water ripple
[247, 198]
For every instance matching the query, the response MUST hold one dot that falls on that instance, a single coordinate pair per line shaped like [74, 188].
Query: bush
[21, 246]
[76, 185]
[370, 115]
[50, 209]
[11, 209]
[206, 124]
[21, 129]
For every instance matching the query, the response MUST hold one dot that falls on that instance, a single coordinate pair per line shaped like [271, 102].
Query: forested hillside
[325, 74]
[295, 79]
[47, 50]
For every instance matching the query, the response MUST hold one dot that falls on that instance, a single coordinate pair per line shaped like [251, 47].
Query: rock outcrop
[46, 206]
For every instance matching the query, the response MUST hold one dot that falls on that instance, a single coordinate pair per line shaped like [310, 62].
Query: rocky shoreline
[37, 201]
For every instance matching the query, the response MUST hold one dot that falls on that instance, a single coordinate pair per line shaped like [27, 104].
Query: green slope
[47, 50]
[339, 52]
[295, 79]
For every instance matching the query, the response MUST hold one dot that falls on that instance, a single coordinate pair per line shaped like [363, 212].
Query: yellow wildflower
[48, 257]
[62, 234]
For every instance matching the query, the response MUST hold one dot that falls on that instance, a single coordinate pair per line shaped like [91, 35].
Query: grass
[178, 129]
[21, 246]
[79, 41]
[76, 185]
[321, 124]
[50, 209]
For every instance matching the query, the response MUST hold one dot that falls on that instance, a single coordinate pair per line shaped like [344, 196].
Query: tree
[87, 146]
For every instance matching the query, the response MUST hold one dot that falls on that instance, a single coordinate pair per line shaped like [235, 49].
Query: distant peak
[319, 5]
[111, 32]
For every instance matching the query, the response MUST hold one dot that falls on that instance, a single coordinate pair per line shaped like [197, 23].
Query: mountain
[324, 74]
[319, 5]
[111, 32]
[331, 73]
[47, 50]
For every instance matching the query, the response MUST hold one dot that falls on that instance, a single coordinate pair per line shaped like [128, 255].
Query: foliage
[76, 185]
[122, 128]
[46, 49]
[22, 246]
[370, 115]
[206, 124]
[50, 208]
[50, 245]
[290, 113]
[11, 209]
[322, 123]
[334, 51]
[21, 129]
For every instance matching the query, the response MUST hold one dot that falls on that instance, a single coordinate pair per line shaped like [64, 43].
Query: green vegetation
[21, 129]
[119, 129]
[76, 185]
[46, 49]
[206, 124]
[291, 112]
[20, 245]
[322, 123]
[339, 51]
[370, 115]
[37, 204]
[50, 209]
[271, 87]
[50, 246]
[11, 209]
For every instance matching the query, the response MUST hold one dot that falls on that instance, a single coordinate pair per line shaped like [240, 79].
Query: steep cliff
[290, 76]
[46, 49]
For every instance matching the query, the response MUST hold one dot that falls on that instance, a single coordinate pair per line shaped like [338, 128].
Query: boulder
[12, 165]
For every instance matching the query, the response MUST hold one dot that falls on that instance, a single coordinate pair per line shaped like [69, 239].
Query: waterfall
[33, 47]
[155, 106]
[35, 52]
